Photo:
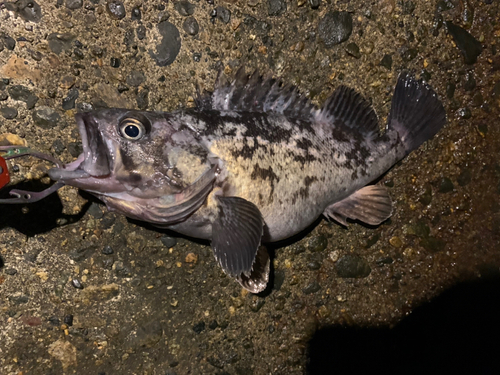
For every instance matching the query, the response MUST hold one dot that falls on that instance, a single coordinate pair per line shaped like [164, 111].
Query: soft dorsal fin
[255, 93]
[348, 108]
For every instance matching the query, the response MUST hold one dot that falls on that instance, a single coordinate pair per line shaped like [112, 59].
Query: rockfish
[254, 162]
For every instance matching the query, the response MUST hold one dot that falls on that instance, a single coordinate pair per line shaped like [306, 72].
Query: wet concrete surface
[83, 290]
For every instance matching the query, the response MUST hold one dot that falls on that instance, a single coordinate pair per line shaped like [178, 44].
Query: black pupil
[132, 131]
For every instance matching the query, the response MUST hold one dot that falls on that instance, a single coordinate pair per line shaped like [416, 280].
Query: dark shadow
[35, 218]
[456, 333]
[271, 247]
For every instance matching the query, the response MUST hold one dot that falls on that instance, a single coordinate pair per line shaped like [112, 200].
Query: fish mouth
[95, 161]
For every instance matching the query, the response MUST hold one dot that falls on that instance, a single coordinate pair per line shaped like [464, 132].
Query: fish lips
[95, 161]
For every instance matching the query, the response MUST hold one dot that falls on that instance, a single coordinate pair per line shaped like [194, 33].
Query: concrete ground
[85, 291]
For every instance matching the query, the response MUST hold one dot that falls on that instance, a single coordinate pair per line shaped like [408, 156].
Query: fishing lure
[4, 173]
[23, 196]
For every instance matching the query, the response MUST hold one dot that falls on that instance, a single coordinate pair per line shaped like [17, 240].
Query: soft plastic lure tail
[23, 196]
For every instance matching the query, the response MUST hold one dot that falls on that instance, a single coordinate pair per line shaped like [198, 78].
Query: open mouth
[94, 161]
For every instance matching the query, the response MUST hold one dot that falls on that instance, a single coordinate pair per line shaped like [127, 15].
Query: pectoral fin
[257, 280]
[236, 234]
[371, 205]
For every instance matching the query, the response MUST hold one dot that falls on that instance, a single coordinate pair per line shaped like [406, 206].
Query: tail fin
[417, 114]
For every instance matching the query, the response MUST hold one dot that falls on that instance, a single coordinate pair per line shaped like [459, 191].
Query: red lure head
[4, 173]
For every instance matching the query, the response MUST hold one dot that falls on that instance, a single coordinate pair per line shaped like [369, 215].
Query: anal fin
[371, 205]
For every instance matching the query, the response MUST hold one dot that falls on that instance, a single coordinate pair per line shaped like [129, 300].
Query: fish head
[137, 159]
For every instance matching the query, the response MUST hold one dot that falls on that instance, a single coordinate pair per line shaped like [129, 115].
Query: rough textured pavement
[85, 291]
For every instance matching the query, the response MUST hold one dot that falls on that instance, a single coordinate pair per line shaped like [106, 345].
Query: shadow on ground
[458, 333]
[35, 218]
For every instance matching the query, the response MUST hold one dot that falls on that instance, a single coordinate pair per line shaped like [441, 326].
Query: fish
[253, 163]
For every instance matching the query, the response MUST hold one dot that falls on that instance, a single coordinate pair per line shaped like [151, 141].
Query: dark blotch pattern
[265, 174]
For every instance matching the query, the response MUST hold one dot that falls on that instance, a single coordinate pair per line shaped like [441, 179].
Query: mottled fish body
[255, 162]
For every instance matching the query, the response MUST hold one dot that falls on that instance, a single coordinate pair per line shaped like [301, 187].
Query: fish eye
[132, 128]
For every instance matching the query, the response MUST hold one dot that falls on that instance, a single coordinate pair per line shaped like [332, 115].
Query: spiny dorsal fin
[254, 93]
[347, 107]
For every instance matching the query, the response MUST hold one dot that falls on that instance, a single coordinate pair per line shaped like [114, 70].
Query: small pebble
[445, 185]
[46, 117]
[107, 250]
[352, 266]
[23, 94]
[168, 241]
[314, 265]
[184, 8]
[27, 10]
[74, 4]
[95, 211]
[10, 271]
[334, 28]
[223, 14]
[114, 62]
[353, 50]
[426, 197]
[77, 284]
[116, 9]
[312, 287]
[60, 42]
[69, 101]
[136, 14]
[8, 42]
[317, 244]
[68, 320]
[135, 78]
[408, 54]
[199, 327]
[190, 26]
[8, 112]
[396, 242]
[191, 258]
